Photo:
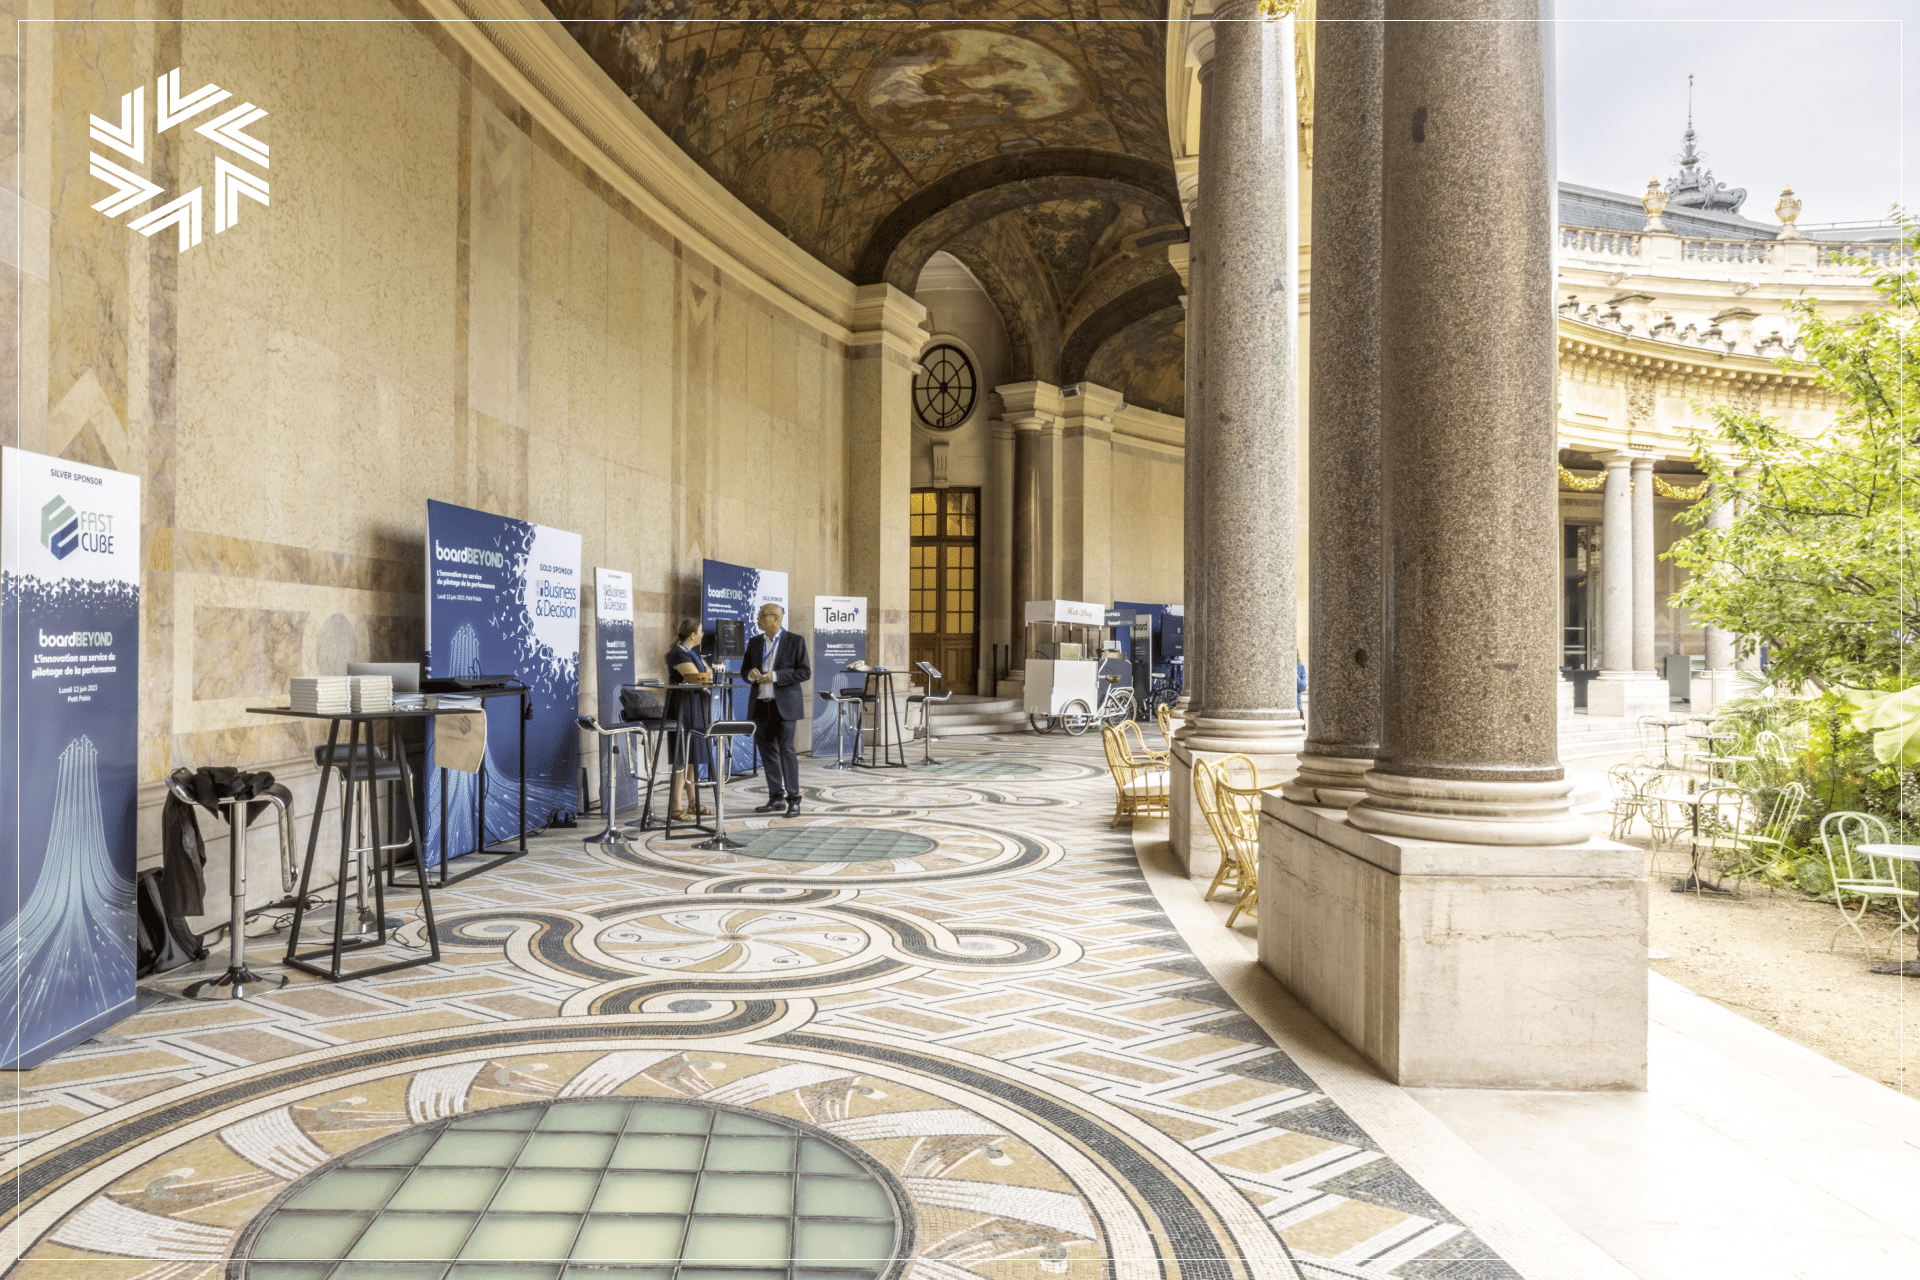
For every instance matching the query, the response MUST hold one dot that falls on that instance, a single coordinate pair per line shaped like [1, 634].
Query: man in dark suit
[776, 667]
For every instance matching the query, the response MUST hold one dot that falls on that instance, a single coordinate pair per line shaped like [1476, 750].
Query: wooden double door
[944, 618]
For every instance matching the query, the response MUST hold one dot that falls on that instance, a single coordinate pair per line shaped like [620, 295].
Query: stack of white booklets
[322, 695]
[372, 693]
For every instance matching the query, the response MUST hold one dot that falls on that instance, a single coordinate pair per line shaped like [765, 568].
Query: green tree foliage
[1820, 562]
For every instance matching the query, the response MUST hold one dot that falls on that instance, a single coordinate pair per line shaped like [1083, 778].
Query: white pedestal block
[1187, 827]
[1565, 693]
[1628, 696]
[1465, 966]
[1712, 690]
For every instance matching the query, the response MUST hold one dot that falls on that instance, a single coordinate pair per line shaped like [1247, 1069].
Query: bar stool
[840, 698]
[928, 701]
[238, 982]
[382, 770]
[609, 798]
[725, 731]
[881, 745]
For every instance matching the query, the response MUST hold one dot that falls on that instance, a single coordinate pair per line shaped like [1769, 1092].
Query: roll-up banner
[69, 750]
[734, 593]
[503, 598]
[614, 664]
[839, 641]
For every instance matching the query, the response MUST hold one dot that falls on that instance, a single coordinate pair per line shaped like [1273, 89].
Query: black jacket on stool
[777, 717]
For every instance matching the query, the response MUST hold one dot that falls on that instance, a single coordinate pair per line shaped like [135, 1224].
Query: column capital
[1621, 457]
[1643, 464]
[1200, 47]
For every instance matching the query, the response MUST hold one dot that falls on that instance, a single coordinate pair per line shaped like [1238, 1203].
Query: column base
[1332, 782]
[1461, 966]
[1187, 828]
[1566, 692]
[1628, 695]
[1285, 734]
[1469, 812]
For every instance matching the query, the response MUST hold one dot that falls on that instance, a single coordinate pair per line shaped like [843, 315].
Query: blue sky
[1780, 97]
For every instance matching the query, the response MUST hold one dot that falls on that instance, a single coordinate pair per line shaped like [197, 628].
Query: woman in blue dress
[691, 711]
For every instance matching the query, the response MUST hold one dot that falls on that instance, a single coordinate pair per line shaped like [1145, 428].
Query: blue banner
[503, 598]
[614, 665]
[839, 641]
[69, 749]
[734, 593]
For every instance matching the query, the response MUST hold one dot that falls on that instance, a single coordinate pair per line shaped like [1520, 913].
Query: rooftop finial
[1693, 187]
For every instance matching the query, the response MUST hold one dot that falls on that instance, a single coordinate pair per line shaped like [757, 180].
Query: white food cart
[1063, 640]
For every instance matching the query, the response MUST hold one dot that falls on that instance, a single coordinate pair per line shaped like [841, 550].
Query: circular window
[563, 1190]
[943, 393]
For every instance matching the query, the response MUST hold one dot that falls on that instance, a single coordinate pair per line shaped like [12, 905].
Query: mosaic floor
[937, 1028]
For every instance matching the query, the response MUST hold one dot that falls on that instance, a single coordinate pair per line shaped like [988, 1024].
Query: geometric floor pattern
[952, 987]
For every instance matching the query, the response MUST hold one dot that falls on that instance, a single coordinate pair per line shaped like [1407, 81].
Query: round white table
[1899, 853]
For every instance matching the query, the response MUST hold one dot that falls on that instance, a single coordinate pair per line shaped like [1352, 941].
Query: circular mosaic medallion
[731, 940]
[679, 1186]
[833, 844]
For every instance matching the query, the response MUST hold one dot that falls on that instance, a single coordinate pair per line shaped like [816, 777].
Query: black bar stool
[371, 768]
[724, 732]
[928, 701]
[238, 982]
[609, 798]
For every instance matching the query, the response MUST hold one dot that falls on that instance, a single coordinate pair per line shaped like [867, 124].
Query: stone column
[1457, 925]
[1343, 411]
[880, 362]
[1026, 515]
[1715, 685]
[1469, 749]
[1245, 702]
[1645, 606]
[1622, 689]
[1251, 301]
[1200, 49]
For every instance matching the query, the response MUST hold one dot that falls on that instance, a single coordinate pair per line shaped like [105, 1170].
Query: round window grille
[562, 1190]
[943, 395]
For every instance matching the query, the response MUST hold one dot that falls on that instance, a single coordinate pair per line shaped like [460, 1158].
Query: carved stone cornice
[1584, 344]
[532, 57]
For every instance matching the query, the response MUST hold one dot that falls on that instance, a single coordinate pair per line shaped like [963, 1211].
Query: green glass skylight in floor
[587, 1189]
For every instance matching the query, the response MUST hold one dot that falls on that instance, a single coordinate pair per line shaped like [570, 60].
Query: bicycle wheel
[1120, 708]
[1075, 717]
[1040, 723]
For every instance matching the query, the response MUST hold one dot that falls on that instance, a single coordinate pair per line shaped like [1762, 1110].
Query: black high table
[358, 768]
[881, 746]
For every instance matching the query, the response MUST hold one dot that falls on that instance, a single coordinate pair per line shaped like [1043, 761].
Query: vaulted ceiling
[876, 134]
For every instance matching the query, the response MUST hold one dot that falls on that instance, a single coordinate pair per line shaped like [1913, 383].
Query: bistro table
[1692, 881]
[1899, 853]
[358, 767]
[1666, 725]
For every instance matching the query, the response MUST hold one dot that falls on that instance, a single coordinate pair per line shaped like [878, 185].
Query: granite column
[1444, 959]
[1469, 749]
[1026, 534]
[1247, 701]
[1716, 681]
[1343, 410]
[1200, 49]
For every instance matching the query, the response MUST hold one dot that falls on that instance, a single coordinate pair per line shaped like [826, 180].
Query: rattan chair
[1142, 783]
[1212, 781]
[1857, 874]
[1240, 837]
[1164, 714]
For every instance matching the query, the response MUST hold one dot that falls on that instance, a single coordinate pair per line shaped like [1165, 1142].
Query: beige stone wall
[443, 301]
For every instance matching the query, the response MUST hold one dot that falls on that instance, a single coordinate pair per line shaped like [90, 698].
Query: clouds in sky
[1784, 93]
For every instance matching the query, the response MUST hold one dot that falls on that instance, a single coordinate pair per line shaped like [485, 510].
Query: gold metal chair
[1142, 783]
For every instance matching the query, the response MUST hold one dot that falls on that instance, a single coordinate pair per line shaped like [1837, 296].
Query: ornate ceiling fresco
[875, 134]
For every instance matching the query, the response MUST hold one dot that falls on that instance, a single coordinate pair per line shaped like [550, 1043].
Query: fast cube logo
[59, 528]
[129, 137]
